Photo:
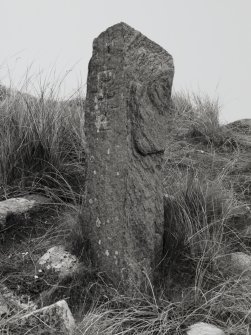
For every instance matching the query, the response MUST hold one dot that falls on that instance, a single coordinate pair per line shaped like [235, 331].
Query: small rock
[236, 263]
[59, 260]
[15, 206]
[11, 304]
[4, 309]
[241, 262]
[202, 328]
[53, 319]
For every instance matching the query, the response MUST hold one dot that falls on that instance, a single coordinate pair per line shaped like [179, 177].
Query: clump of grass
[226, 304]
[42, 144]
[196, 213]
[199, 118]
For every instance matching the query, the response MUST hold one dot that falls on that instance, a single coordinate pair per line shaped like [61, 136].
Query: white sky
[210, 41]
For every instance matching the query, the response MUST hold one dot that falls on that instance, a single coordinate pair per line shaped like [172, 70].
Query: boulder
[202, 328]
[53, 319]
[17, 206]
[126, 123]
[59, 260]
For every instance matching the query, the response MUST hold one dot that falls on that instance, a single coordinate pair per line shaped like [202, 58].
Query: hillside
[207, 218]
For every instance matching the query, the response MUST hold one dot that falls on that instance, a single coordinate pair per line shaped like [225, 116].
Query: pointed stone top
[124, 36]
[121, 24]
[128, 96]
[118, 27]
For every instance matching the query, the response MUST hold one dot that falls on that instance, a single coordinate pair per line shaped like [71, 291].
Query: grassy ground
[206, 196]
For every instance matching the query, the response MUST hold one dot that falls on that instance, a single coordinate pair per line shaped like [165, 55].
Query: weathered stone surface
[128, 92]
[16, 206]
[59, 260]
[53, 319]
[202, 328]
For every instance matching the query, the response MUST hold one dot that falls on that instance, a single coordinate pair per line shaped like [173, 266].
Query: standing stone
[128, 93]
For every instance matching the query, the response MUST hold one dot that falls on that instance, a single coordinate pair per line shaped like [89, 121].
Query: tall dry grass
[199, 117]
[42, 143]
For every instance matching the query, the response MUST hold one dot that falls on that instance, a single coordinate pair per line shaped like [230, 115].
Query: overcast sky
[209, 40]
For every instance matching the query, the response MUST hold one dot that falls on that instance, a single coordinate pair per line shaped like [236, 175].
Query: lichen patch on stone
[107, 253]
[98, 223]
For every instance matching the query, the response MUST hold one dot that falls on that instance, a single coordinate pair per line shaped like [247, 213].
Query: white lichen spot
[116, 252]
[98, 223]
[90, 201]
[107, 253]
[101, 121]
[99, 242]
[108, 221]
[96, 107]
[116, 262]
[100, 94]
[117, 173]
[94, 172]
[108, 151]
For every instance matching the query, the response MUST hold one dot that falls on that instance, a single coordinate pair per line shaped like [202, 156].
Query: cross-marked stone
[128, 92]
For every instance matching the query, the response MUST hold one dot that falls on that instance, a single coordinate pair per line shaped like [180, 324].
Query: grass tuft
[199, 118]
[41, 145]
